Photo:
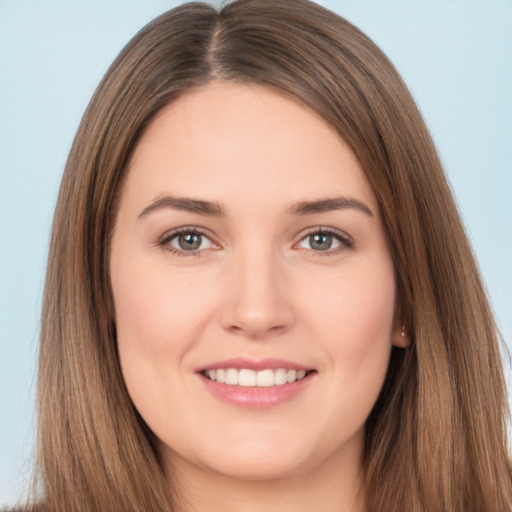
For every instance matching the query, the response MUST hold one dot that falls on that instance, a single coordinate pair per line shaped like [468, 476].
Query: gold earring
[403, 331]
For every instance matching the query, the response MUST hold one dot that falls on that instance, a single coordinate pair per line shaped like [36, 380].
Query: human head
[304, 51]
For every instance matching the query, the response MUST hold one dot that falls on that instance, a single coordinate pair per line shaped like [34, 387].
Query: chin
[258, 468]
[262, 459]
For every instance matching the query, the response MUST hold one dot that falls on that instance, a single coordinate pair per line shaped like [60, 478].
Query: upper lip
[253, 364]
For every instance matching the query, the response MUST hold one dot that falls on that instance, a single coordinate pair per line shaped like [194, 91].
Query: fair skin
[259, 285]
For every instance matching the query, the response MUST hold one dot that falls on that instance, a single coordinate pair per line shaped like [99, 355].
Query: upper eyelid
[327, 230]
[169, 235]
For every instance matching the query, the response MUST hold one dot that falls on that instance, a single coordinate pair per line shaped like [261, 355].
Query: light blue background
[456, 56]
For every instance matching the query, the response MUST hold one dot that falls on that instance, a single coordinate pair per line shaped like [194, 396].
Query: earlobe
[401, 337]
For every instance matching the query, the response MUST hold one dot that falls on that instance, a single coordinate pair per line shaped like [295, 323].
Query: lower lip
[254, 397]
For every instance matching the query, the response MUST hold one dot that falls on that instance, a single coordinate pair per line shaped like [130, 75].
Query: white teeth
[265, 378]
[232, 376]
[280, 377]
[249, 378]
[291, 375]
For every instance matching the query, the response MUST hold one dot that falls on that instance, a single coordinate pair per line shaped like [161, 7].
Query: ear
[400, 337]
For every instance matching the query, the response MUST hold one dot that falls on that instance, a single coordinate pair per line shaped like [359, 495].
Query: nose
[257, 301]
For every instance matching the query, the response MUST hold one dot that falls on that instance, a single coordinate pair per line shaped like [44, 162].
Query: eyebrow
[198, 206]
[329, 204]
[214, 209]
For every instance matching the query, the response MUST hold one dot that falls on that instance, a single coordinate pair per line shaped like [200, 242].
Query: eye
[323, 240]
[186, 241]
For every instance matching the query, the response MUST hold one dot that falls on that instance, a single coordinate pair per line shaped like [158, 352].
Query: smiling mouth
[245, 377]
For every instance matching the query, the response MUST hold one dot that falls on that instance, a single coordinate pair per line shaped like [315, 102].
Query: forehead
[243, 143]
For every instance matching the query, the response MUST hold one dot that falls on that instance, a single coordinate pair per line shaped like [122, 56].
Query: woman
[259, 292]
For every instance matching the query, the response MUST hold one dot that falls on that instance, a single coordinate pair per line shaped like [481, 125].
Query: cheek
[359, 305]
[142, 334]
[154, 310]
[139, 303]
[157, 323]
[354, 324]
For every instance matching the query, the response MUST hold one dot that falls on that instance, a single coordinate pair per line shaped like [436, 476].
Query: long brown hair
[435, 440]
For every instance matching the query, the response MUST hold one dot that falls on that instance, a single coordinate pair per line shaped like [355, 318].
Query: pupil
[320, 242]
[189, 242]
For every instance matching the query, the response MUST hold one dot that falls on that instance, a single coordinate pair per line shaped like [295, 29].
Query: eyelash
[345, 241]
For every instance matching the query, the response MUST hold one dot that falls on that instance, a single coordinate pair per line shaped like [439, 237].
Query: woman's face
[248, 248]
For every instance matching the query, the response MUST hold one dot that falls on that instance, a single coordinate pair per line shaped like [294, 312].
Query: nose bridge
[257, 300]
